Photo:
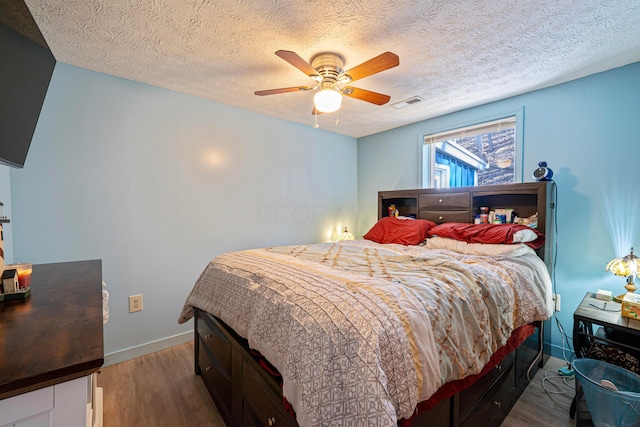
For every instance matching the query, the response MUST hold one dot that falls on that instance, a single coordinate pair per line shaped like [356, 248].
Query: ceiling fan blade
[381, 62]
[366, 95]
[282, 90]
[295, 60]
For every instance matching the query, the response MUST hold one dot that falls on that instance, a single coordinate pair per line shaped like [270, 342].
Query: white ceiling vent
[407, 102]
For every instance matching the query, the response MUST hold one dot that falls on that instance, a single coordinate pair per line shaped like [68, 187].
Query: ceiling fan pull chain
[337, 117]
[315, 125]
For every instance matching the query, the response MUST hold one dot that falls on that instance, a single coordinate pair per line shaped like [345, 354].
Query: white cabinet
[28, 409]
[75, 403]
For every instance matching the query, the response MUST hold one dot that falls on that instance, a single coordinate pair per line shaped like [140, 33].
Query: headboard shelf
[406, 206]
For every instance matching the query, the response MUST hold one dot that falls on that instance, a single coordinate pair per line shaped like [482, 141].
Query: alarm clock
[542, 173]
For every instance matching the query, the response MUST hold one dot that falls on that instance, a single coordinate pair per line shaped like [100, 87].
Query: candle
[24, 278]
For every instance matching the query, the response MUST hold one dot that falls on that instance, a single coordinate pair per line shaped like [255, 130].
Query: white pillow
[524, 236]
[478, 248]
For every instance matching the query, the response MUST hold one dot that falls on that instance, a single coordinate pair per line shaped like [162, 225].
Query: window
[482, 154]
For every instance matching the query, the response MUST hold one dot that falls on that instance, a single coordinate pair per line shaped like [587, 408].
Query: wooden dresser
[50, 344]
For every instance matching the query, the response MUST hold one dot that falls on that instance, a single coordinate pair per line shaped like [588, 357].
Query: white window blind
[487, 127]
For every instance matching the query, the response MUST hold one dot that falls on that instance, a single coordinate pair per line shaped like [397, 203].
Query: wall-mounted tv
[25, 71]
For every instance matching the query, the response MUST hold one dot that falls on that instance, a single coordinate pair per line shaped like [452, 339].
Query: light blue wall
[156, 183]
[588, 130]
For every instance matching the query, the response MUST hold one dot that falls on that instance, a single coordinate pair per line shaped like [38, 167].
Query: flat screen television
[25, 72]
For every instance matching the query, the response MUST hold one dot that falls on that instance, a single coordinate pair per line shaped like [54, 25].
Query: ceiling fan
[327, 70]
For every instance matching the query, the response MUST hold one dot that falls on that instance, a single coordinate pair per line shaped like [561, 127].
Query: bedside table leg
[572, 410]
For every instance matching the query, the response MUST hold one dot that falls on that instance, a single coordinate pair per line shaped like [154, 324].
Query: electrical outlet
[556, 300]
[135, 303]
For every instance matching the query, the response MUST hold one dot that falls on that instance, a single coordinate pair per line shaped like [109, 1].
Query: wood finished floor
[161, 389]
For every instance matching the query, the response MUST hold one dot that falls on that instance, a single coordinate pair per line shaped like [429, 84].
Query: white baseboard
[148, 348]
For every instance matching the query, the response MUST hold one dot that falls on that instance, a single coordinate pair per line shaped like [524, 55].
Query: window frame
[425, 155]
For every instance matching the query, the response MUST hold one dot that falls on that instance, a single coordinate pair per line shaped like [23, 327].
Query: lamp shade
[327, 100]
[625, 267]
[345, 235]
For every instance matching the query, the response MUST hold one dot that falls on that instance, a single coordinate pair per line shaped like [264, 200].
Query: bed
[441, 331]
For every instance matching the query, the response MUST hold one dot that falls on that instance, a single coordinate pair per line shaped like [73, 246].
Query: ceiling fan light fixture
[327, 100]
[327, 70]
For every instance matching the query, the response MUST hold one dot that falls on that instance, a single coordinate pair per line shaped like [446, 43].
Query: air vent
[407, 102]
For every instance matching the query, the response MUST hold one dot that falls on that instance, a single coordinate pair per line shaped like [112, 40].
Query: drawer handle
[207, 369]
[207, 336]
[497, 403]
[439, 200]
[271, 421]
[440, 218]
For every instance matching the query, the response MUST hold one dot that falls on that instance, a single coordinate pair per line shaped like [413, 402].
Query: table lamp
[625, 267]
[345, 235]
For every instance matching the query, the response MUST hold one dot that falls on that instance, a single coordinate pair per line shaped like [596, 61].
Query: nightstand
[600, 321]
[610, 327]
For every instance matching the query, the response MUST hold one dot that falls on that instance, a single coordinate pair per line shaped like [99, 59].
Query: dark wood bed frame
[246, 393]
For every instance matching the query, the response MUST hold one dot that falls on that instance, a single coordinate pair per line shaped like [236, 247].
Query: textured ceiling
[453, 53]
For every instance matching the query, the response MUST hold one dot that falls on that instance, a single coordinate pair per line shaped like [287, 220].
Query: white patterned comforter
[362, 332]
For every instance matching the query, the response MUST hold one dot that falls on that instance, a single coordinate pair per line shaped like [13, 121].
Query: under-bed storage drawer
[263, 406]
[216, 343]
[496, 402]
[217, 383]
[471, 395]
[214, 360]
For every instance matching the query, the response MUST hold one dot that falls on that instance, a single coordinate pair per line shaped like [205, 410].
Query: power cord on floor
[554, 384]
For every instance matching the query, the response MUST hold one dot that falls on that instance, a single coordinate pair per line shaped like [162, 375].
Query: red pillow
[489, 233]
[390, 229]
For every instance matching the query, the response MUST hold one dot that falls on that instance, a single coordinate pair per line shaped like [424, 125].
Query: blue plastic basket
[609, 408]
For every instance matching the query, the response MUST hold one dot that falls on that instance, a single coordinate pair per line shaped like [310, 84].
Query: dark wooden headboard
[460, 204]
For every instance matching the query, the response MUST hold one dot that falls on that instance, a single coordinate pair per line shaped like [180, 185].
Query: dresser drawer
[470, 396]
[495, 403]
[446, 201]
[263, 406]
[445, 216]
